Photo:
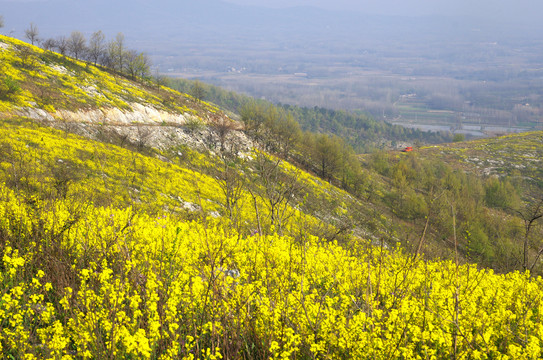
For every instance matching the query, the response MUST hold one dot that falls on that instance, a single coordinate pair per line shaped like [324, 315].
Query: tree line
[492, 220]
[327, 155]
[113, 54]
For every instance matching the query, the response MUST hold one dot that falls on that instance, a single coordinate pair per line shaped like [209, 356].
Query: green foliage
[479, 245]
[407, 204]
[458, 137]
[55, 82]
[255, 115]
[90, 281]
[137, 65]
[500, 194]
[286, 134]
[194, 124]
[380, 162]
[425, 192]
[198, 91]
[108, 253]
[326, 155]
[227, 100]
[9, 87]
[515, 156]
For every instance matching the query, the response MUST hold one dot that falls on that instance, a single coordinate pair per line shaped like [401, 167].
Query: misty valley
[430, 86]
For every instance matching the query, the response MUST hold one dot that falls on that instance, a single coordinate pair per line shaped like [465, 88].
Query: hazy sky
[482, 8]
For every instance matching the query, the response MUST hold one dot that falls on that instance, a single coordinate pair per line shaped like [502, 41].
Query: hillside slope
[105, 255]
[79, 97]
[511, 155]
[485, 191]
[114, 250]
[392, 194]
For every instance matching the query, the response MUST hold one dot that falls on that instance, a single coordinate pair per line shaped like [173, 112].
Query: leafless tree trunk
[76, 44]
[532, 213]
[97, 46]
[62, 45]
[32, 33]
[277, 189]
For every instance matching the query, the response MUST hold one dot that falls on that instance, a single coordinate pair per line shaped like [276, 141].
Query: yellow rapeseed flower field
[100, 258]
[86, 278]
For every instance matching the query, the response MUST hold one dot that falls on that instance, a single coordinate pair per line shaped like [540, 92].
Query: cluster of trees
[362, 131]
[112, 54]
[492, 223]
[278, 132]
[359, 130]
[277, 129]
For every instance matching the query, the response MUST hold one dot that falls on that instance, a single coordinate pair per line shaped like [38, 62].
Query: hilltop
[141, 222]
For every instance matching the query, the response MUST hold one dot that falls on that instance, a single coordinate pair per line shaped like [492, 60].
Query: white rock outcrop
[141, 125]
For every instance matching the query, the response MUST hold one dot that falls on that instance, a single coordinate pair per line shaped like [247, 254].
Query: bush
[9, 87]
[459, 137]
[479, 244]
[194, 124]
[500, 194]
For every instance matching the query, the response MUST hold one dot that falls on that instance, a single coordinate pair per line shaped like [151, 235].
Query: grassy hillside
[485, 190]
[515, 155]
[41, 79]
[111, 252]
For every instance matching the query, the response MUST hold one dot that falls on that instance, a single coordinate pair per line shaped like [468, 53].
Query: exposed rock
[215, 214]
[144, 126]
[113, 116]
[190, 206]
[61, 69]
[36, 114]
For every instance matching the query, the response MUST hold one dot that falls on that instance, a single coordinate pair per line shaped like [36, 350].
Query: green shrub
[459, 137]
[9, 87]
[500, 194]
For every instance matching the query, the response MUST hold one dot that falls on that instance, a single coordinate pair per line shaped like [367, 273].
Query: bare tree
[49, 44]
[116, 52]
[137, 65]
[76, 44]
[26, 55]
[142, 137]
[160, 80]
[1, 21]
[277, 189]
[532, 213]
[223, 126]
[32, 33]
[62, 45]
[97, 46]
[231, 183]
